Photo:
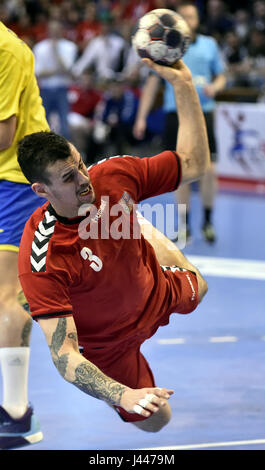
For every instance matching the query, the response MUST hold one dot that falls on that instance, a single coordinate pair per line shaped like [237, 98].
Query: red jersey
[114, 287]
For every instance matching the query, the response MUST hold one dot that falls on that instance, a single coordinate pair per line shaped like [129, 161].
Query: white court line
[211, 339]
[223, 339]
[229, 267]
[172, 341]
[209, 445]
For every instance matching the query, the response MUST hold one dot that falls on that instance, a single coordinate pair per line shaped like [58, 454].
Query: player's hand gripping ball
[162, 35]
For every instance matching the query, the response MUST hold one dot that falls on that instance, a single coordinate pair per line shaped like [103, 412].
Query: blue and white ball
[162, 35]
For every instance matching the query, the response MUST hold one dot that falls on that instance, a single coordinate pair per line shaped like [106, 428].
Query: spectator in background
[54, 58]
[218, 21]
[71, 20]
[118, 114]
[242, 25]
[259, 14]
[253, 66]
[40, 27]
[23, 29]
[234, 53]
[123, 10]
[83, 98]
[88, 27]
[103, 53]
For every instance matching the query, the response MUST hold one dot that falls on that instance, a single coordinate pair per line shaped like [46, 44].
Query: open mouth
[86, 193]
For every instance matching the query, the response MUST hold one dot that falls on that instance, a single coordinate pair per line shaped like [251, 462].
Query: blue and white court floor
[214, 358]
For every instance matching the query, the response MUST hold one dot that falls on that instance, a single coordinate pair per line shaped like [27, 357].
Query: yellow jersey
[20, 96]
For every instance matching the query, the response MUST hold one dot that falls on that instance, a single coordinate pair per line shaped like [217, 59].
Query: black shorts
[171, 132]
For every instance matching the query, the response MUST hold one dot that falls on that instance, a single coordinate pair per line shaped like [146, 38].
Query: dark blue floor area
[219, 385]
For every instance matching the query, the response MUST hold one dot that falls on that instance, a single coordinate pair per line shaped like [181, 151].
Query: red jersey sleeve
[157, 175]
[53, 298]
[141, 177]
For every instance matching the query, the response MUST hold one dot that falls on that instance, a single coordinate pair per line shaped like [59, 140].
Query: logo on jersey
[95, 262]
[40, 243]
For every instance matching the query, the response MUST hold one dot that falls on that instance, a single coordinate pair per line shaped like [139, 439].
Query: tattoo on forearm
[72, 336]
[92, 381]
[25, 335]
[88, 377]
[58, 338]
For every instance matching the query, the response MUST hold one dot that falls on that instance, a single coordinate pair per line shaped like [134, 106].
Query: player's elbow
[202, 160]
[194, 164]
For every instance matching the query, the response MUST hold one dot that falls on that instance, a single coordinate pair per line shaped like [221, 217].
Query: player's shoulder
[114, 164]
[45, 246]
[37, 217]
[12, 45]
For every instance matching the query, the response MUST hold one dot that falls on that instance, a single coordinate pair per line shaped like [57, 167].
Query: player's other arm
[61, 336]
[217, 85]
[192, 142]
[146, 102]
[7, 132]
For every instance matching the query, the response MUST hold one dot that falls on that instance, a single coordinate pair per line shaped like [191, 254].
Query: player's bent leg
[168, 254]
[165, 250]
[157, 421]
[15, 323]
[18, 425]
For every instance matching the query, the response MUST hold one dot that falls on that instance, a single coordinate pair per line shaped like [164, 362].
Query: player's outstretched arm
[192, 143]
[61, 336]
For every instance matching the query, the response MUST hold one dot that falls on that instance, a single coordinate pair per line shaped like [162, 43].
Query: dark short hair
[36, 151]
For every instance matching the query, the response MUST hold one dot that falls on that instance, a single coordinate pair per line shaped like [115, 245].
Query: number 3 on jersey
[96, 262]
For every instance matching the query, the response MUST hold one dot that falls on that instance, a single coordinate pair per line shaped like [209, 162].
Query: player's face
[190, 15]
[70, 185]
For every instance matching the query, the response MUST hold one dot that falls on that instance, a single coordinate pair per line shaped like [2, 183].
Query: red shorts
[131, 369]
[125, 363]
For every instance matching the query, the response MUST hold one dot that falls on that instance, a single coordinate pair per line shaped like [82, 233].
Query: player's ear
[40, 189]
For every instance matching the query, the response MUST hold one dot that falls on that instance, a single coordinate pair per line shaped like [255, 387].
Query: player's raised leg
[168, 253]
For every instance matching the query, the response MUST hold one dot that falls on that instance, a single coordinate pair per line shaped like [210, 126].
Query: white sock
[15, 365]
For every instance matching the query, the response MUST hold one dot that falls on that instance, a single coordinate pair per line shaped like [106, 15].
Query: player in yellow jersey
[21, 113]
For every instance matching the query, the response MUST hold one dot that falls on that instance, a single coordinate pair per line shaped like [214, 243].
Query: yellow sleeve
[11, 85]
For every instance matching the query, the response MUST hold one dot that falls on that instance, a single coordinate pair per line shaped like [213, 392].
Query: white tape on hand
[143, 402]
[138, 409]
[149, 397]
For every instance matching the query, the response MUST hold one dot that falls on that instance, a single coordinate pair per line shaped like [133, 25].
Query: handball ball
[161, 35]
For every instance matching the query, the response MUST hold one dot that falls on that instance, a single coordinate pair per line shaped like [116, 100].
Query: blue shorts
[17, 203]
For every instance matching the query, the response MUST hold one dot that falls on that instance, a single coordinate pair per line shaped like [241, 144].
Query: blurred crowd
[89, 75]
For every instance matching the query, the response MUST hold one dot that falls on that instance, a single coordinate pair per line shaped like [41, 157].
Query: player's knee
[10, 310]
[202, 288]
